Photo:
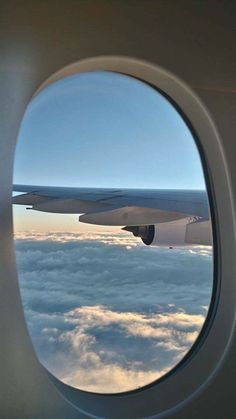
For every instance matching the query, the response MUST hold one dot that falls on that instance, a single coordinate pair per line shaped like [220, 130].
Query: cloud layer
[105, 312]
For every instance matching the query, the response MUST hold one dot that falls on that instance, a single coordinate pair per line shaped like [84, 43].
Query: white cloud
[121, 238]
[110, 378]
[98, 370]
[107, 313]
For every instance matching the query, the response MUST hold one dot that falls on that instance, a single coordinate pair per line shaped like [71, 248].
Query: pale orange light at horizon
[30, 220]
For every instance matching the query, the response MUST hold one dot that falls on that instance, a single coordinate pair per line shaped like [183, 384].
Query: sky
[105, 312]
[102, 129]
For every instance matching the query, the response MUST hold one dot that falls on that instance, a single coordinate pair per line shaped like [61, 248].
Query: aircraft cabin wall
[195, 41]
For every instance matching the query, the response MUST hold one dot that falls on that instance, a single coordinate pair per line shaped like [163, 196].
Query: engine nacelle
[185, 232]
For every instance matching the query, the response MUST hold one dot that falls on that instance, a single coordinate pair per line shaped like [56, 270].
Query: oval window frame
[202, 361]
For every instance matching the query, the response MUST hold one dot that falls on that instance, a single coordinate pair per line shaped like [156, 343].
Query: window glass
[106, 312]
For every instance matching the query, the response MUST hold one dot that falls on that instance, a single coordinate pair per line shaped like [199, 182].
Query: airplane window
[112, 232]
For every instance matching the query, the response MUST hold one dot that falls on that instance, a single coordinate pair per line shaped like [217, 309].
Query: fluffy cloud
[105, 312]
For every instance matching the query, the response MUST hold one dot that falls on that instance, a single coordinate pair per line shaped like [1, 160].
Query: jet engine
[184, 232]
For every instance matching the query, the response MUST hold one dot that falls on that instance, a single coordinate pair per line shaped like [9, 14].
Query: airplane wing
[115, 207]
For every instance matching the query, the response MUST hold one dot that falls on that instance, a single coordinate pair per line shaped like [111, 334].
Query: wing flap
[28, 199]
[69, 206]
[131, 216]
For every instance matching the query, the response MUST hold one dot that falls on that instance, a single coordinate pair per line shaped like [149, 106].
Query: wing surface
[115, 206]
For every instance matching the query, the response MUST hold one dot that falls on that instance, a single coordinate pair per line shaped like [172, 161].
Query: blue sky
[103, 129]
